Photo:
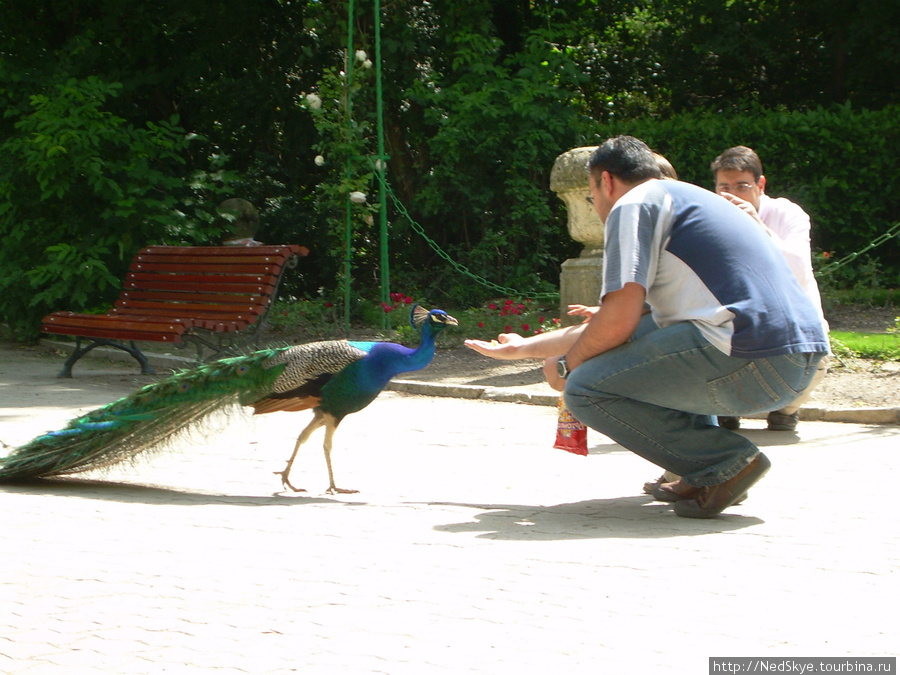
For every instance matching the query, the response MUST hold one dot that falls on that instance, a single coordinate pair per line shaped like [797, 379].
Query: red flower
[507, 329]
[328, 304]
[481, 324]
[526, 327]
[386, 307]
[492, 306]
[826, 255]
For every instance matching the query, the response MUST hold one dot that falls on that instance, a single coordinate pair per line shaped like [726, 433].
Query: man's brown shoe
[712, 500]
[674, 492]
[726, 422]
[679, 491]
[777, 421]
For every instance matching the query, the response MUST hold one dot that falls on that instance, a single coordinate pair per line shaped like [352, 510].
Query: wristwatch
[562, 368]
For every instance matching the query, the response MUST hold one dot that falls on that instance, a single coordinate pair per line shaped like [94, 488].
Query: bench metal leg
[133, 349]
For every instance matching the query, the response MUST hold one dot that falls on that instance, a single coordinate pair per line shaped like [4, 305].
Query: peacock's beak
[450, 321]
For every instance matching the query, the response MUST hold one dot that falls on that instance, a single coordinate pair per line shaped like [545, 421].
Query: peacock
[332, 377]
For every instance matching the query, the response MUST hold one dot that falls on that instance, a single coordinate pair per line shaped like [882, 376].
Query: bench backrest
[221, 288]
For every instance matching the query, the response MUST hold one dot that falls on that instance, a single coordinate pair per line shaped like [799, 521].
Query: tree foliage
[125, 124]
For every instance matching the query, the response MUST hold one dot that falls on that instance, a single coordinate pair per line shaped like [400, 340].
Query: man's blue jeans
[654, 395]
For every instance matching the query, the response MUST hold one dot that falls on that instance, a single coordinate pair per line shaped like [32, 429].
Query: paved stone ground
[472, 547]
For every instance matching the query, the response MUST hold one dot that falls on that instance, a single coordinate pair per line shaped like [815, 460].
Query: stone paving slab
[472, 547]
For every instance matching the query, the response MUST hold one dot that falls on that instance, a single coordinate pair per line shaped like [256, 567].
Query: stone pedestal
[581, 278]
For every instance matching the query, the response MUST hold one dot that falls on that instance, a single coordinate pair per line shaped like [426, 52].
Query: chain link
[459, 267]
[892, 231]
[878, 241]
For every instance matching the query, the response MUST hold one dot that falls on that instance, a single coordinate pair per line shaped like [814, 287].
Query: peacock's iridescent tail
[144, 421]
[335, 377]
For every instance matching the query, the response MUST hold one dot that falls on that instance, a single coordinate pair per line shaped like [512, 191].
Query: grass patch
[882, 346]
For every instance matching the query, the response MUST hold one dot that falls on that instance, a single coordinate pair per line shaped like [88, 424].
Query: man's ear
[607, 182]
[762, 184]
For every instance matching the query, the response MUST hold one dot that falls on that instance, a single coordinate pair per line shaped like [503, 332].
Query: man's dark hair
[625, 157]
[738, 158]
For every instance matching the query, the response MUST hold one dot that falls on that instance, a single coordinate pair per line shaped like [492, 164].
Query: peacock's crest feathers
[417, 316]
[437, 318]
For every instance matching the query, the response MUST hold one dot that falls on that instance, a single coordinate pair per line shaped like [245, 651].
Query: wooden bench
[217, 297]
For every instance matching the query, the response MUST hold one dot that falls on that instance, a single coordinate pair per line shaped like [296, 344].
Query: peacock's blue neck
[355, 386]
[389, 359]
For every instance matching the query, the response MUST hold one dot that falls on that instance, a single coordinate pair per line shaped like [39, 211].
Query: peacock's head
[437, 319]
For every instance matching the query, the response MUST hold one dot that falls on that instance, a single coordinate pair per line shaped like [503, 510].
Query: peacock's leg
[317, 421]
[330, 425]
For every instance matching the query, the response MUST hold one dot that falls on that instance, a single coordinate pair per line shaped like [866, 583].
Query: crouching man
[729, 331]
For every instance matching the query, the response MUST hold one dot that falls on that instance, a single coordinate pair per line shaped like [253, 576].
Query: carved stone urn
[581, 278]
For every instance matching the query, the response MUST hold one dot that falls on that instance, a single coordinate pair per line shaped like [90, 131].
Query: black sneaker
[732, 423]
[777, 421]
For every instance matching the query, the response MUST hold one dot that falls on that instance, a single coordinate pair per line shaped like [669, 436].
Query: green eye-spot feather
[333, 378]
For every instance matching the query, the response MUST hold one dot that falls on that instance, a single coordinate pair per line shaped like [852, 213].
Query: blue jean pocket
[756, 387]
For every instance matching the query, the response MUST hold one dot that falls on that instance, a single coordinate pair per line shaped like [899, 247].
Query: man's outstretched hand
[505, 347]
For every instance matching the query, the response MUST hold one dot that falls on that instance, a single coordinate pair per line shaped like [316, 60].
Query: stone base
[580, 283]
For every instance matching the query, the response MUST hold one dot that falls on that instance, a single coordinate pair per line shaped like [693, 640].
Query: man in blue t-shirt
[729, 331]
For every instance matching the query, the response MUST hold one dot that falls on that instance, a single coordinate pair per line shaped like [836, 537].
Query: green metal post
[381, 168]
[348, 225]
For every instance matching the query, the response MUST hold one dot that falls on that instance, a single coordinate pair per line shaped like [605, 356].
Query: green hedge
[840, 164]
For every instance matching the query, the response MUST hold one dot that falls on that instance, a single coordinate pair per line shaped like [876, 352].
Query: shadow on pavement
[152, 494]
[636, 517]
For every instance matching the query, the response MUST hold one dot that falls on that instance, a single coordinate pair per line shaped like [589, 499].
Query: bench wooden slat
[207, 266]
[159, 329]
[115, 334]
[224, 299]
[139, 308]
[222, 254]
[154, 324]
[201, 287]
[173, 293]
[150, 280]
[196, 318]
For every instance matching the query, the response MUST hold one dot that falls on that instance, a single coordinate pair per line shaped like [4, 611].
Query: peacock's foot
[334, 490]
[286, 483]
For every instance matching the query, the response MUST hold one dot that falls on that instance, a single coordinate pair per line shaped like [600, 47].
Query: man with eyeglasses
[738, 176]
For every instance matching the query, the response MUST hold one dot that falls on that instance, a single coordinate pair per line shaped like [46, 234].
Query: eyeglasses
[739, 187]
[589, 200]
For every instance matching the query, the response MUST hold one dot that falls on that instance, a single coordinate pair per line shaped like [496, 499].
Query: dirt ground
[850, 383]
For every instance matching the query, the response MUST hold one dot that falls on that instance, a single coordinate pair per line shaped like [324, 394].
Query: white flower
[367, 64]
[319, 160]
[379, 165]
[358, 197]
[361, 55]
[313, 101]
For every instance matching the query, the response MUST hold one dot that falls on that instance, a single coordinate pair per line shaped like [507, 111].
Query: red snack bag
[571, 435]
